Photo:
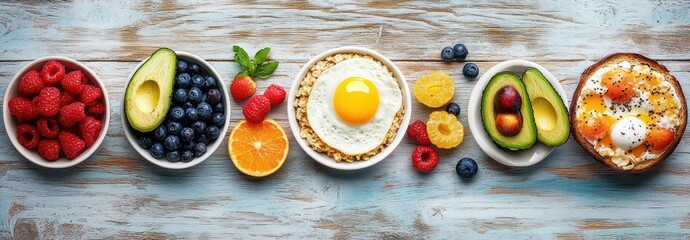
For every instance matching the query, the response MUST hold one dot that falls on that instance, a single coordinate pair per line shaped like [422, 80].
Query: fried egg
[353, 104]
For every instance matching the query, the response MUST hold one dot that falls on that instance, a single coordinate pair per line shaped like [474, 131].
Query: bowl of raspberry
[56, 112]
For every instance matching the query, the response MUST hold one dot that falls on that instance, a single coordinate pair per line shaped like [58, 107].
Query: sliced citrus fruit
[258, 149]
[434, 89]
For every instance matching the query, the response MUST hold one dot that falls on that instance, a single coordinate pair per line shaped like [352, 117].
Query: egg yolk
[356, 100]
[619, 85]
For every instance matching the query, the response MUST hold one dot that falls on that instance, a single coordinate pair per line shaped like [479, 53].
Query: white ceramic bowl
[520, 158]
[322, 157]
[11, 124]
[130, 132]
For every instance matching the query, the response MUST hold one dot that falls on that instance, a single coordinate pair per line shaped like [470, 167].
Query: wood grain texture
[117, 194]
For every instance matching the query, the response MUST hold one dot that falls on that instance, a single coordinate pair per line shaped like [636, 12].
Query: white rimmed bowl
[131, 135]
[322, 157]
[11, 123]
[522, 158]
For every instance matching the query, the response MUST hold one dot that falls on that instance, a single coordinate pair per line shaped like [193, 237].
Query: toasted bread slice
[634, 59]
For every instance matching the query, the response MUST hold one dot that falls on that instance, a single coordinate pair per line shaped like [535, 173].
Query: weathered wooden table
[118, 194]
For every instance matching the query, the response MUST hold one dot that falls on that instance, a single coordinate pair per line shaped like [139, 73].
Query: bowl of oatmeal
[349, 108]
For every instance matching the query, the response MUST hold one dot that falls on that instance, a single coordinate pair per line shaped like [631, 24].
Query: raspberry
[71, 144]
[96, 107]
[256, 109]
[72, 82]
[71, 114]
[242, 88]
[30, 84]
[424, 158]
[52, 72]
[49, 149]
[89, 129]
[66, 99]
[417, 132]
[90, 94]
[27, 136]
[444, 129]
[48, 102]
[22, 109]
[275, 94]
[48, 127]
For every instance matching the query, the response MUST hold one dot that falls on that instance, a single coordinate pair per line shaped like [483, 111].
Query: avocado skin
[528, 133]
[161, 67]
[538, 86]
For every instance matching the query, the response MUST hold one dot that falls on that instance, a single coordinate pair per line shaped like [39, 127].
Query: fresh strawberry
[417, 132]
[48, 102]
[48, 127]
[256, 109]
[52, 72]
[242, 88]
[275, 94]
[27, 136]
[49, 149]
[89, 129]
[22, 109]
[30, 84]
[72, 82]
[71, 144]
[90, 94]
[71, 114]
[424, 159]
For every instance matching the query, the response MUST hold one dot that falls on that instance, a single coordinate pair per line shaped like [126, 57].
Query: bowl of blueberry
[175, 109]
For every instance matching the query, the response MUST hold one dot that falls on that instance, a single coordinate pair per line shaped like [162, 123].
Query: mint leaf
[242, 58]
[260, 56]
[265, 70]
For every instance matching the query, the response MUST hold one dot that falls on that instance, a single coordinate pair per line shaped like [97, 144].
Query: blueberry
[194, 68]
[180, 95]
[188, 155]
[160, 133]
[191, 114]
[157, 150]
[466, 167]
[199, 127]
[172, 142]
[212, 132]
[213, 96]
[144, 142]
[188, 105]
[174, 128]
[182, 66]
[460, 51]
[453, 108]
[198, 81]
[219, 108]
[173, 156]
[447, 54]
[183, 80]
[210, 82]
[218, 119]
[194, 95]
[188, 145]
[199, 149]
[470, 70]
[204, 110]
[202, 138]
[187, 134]
[204, 98]
[177, 114]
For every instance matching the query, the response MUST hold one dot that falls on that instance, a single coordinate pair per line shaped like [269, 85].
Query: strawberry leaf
[265, 70]
[260, 56]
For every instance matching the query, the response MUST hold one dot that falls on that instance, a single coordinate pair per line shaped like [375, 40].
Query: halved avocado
[550, 114]
[528, 132]
[149, 92]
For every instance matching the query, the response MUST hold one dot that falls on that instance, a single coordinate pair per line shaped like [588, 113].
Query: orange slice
[258, 150]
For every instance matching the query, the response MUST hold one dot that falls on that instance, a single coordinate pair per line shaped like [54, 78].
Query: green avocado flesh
[149, 92]
[528, 132]
[550, 114]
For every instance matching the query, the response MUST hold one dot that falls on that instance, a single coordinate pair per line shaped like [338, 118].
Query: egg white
[346, 138]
